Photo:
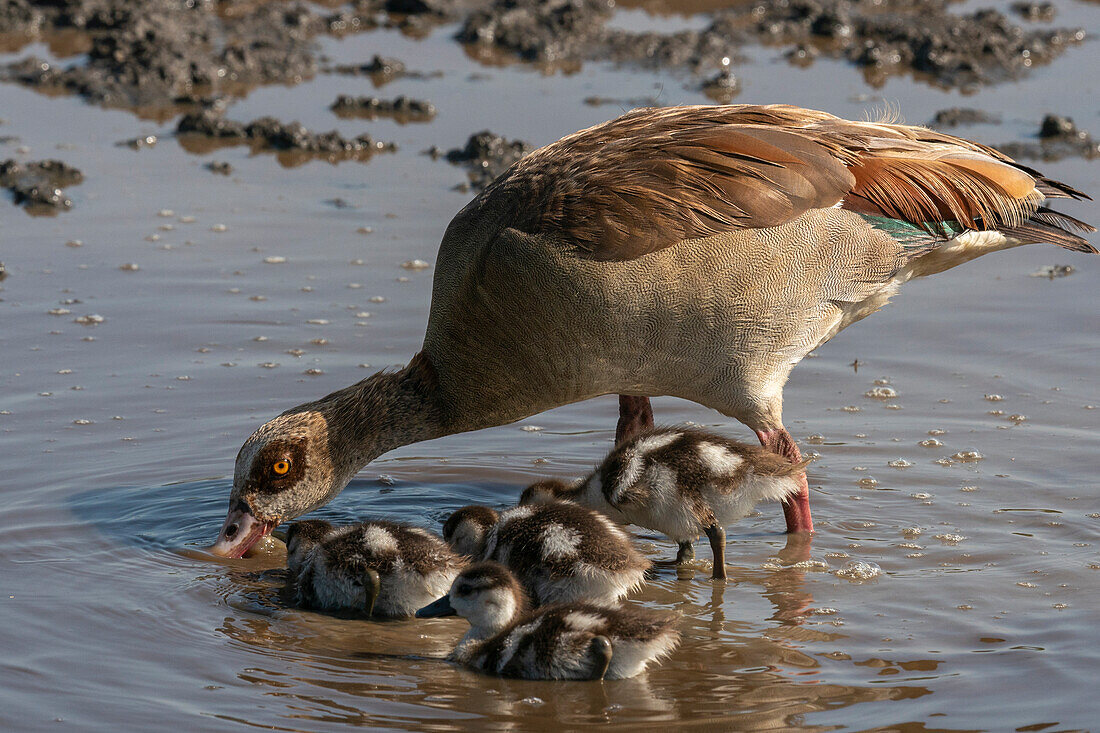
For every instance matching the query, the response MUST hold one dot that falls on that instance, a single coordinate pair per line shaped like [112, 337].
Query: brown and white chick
[377, 567]
[560, 551]
[681, 482]
[565, 641]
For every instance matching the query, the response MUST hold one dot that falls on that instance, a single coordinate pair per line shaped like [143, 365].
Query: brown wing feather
[655, 177]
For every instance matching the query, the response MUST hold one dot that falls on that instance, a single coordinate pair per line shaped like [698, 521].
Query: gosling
[377, 567]
[680, 482]
[560, 551]
[574, 641]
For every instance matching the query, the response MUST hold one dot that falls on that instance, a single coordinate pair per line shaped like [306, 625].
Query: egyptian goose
[699, 252]
[566, 641]
[560, 551]
[682, 482]
[377, 567]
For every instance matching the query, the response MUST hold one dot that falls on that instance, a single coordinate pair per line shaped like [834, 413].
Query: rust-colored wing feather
[655, 177]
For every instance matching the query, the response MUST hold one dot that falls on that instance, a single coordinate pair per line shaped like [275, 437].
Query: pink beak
[240, 532]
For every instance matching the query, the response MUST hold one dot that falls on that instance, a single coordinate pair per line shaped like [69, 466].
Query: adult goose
[698, 252]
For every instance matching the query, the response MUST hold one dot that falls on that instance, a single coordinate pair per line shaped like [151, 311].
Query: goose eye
[280, 467]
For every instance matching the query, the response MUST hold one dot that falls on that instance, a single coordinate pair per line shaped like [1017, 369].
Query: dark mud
[1058, 137]
[268, 134]
[400, 109]
[955, 116]
[485, 156]
[381, 70]
[885, 36]
[39, 185]
[166, 53]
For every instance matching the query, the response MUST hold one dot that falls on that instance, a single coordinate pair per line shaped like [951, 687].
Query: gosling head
[542, 492]
[486, 594]
[286, 468]
[466, 530]
[303, 536]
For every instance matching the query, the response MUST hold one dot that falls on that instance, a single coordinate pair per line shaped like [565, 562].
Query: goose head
[486, 594]
[289, 466]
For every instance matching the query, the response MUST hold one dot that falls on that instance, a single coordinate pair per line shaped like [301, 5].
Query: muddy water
[980, 530]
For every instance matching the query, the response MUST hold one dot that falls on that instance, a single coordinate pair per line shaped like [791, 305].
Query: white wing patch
[559, 542]
[378, 539]
[718, 459]
[655, 442]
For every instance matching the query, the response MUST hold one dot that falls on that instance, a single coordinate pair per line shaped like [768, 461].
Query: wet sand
[224, 299]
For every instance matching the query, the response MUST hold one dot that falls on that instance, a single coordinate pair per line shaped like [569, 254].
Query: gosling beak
[240, 532]
[437, 608]
[372, 585]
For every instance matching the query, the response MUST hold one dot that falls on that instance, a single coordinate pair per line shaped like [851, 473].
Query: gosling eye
[280, 467]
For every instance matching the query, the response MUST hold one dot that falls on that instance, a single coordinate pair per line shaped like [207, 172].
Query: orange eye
[280, 467]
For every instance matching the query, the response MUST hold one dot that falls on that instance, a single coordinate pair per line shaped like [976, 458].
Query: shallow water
[119, 437]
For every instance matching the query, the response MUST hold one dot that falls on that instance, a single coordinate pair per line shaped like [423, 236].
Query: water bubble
[1017, 418]
[859, 570]
[187, 220]
[530, 428]
[167, 227]
[935, 431]
[75, 243]
[306, 289]
[219, 228]
[531, 701]
[260, 338]
[354, 286]
[357, 261]
[258, 298]
[317, 322]
[166, 213]
[892, 406]
[152, 238]
[1026, 584]
[945, 461]
[851, 408]
[318, 342]
[969, 489]
[183, 378]
[64, 371]
[921, 495]
[881, 393]
[363, 314]
[295, 352]
[82, 421]
[900, 463]
[59, 311]
[269, 365]
[129, 267]
[931, 443]
[313, 372]
[950, 539]
[275, 260]
[365, 230]
[994, 397]
[815, 439]
[415, 265]
[912, 532]
[92, 319]
[968, 456]
[868, 482]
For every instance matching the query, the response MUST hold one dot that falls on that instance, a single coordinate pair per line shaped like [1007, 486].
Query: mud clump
[267, 133]
[382, 71]
[955, 116]
[884, 36]
[401, 109]
[1058, 137]
[147, 54]
[38, 185]
[486, 156]
[544, 31]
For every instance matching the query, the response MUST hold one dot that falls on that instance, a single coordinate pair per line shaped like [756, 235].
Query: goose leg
[797, 508]
[635, 415]
[600, 649]
[687, 552]
[717, 537]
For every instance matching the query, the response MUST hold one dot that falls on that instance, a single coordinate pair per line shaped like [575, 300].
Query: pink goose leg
[797, 509]
[635, 415]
